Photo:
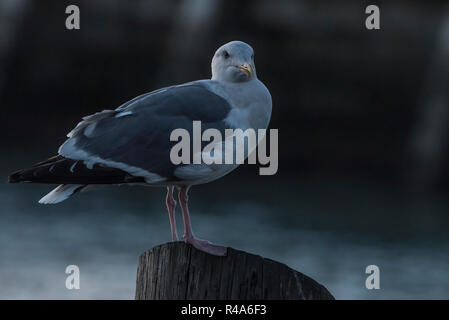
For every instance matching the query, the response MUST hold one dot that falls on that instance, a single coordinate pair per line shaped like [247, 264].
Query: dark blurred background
[363, 129]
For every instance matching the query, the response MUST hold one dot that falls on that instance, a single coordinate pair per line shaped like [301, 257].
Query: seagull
[131, 144]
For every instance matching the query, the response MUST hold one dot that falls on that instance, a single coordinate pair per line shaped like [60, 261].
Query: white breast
[250, 102]
[250, 108]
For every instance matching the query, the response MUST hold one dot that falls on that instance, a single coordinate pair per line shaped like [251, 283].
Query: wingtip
[14, 178]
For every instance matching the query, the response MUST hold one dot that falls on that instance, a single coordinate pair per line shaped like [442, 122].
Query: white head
[234, 62]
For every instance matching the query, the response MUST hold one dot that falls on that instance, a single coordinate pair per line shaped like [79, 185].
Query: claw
[206, 246]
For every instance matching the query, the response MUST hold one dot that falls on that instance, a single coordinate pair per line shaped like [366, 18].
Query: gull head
[234, 62]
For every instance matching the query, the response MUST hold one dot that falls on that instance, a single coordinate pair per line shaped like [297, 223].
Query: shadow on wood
[177, 270]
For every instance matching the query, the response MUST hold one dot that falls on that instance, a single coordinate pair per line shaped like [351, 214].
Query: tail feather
[14, 177]
[61, 193]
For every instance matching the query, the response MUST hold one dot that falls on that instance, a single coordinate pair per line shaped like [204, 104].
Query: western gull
[131, 144]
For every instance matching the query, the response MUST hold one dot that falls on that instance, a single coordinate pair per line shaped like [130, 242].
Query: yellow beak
[246, 68]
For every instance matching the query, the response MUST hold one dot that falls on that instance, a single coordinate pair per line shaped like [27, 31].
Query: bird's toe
[206, 246]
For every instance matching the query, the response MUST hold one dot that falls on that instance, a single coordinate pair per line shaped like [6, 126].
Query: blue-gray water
[327, 230]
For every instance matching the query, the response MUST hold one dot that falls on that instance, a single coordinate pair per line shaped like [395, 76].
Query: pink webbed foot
[206, 246]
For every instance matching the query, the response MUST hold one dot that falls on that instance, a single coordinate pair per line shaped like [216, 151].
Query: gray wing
[136, 136]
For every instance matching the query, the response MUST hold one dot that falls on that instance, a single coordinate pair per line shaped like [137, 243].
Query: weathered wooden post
[177, 270]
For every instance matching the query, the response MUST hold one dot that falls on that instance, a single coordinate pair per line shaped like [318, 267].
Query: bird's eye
[225, 54]
[252, 56]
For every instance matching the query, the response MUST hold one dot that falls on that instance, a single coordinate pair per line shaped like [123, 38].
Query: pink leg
[171, 205]
[188, 237]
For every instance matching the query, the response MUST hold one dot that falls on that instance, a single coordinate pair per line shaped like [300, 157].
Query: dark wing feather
[61, 170]
[141, 139]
